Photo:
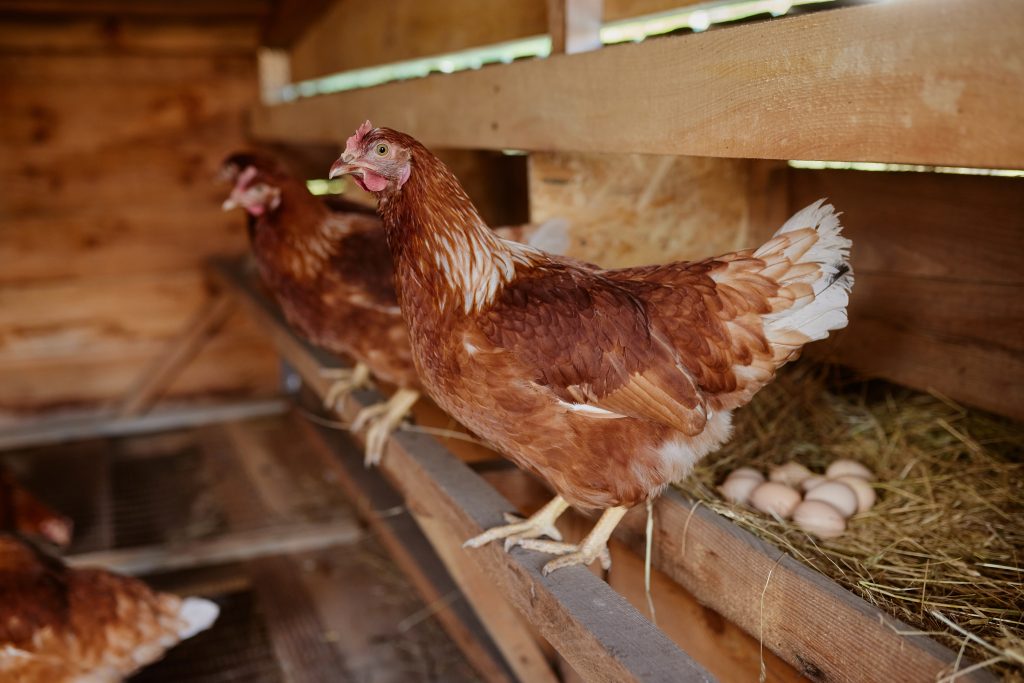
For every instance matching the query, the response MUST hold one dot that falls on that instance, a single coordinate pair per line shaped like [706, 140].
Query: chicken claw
[593, 547]
[541, 523]
[346, 380]
[381, 419]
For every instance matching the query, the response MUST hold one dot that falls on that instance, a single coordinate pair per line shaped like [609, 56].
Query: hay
[942, 550]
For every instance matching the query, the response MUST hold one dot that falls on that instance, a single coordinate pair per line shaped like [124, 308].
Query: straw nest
[942, 550]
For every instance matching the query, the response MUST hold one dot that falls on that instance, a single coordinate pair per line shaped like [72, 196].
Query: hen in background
[22, 512]
[62, 625]
[326, 261]
[609, 384]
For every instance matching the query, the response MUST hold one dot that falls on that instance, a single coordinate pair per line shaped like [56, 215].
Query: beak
[229, 204]
[343, 166]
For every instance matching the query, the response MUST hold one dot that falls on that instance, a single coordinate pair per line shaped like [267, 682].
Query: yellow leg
[593, 547]
[346, 380]
[541, 523]
[381, 420]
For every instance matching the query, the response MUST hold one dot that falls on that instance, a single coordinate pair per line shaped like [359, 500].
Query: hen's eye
[382, 149]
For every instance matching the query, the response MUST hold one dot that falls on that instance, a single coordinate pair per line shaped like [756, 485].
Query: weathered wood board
[112, 140]
[939, 295]
[918, 82]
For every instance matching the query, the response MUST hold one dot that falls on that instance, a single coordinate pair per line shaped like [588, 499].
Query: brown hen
[62, 625]
[610, 384]
[22, 512]
[327, 263]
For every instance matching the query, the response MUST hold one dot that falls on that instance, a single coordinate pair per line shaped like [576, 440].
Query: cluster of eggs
[827, 501]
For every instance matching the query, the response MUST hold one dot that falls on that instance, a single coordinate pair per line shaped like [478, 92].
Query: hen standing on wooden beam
[610, 384]
[327, 264]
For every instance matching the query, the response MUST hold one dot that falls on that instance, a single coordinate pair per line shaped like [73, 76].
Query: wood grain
[352, 34]
[923, 82]
[939, 299]
[113, 132]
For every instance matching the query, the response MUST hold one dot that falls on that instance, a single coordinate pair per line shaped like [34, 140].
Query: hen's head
[378, 159]
[256, 190]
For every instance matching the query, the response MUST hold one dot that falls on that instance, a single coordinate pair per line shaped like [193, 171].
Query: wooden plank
[922, 82]
[161, 9]
[288, 20]
[808, 620]
[724, 649]
[352, 34]
[73, 36]
[939, 300]
[234, 546]
[383, 509]
[63, 429]
[593, 627]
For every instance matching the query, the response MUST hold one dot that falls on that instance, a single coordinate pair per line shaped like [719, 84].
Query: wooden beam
[594, 628]
[923, 82]
[385, 512]
[160, 9]
[807, 619]
[235, 546]
[354, 34]
[75, 428]
[179, 352]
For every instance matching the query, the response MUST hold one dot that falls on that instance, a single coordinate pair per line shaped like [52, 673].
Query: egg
[842, 468]
[812, 481]
[866, 496]
[747, 472]
[790, 474]
[819, 518]
[772, 497]
[837, 494]
[737, 488]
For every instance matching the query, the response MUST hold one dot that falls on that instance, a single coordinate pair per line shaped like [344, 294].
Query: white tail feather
[831, 252]
[198, 615]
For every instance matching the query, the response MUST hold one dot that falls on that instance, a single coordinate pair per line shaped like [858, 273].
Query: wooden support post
[574, 25]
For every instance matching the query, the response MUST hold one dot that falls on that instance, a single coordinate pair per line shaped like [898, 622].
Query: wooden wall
[112, 130]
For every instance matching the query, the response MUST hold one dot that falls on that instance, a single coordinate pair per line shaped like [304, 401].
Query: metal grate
[236, 648]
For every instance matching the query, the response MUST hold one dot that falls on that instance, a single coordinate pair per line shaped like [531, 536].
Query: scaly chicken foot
[381, 419]
[593, 547]
[540, 523]
[346, 380]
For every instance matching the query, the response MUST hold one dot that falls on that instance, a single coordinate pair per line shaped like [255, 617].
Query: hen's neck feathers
[440, 243]
[301, 232]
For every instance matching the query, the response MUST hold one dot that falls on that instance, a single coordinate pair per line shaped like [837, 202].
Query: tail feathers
[818, 256]
[198, 615]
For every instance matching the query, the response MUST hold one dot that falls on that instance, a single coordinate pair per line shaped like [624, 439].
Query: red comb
[352, 144]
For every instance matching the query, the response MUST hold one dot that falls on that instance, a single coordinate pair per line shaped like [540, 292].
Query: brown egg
[790, 474]
[843, 467]
[819, 518]
[737, 488]
[837, 494]
[812, 481]
[774, 498]
[866, 495]
[747, 472]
